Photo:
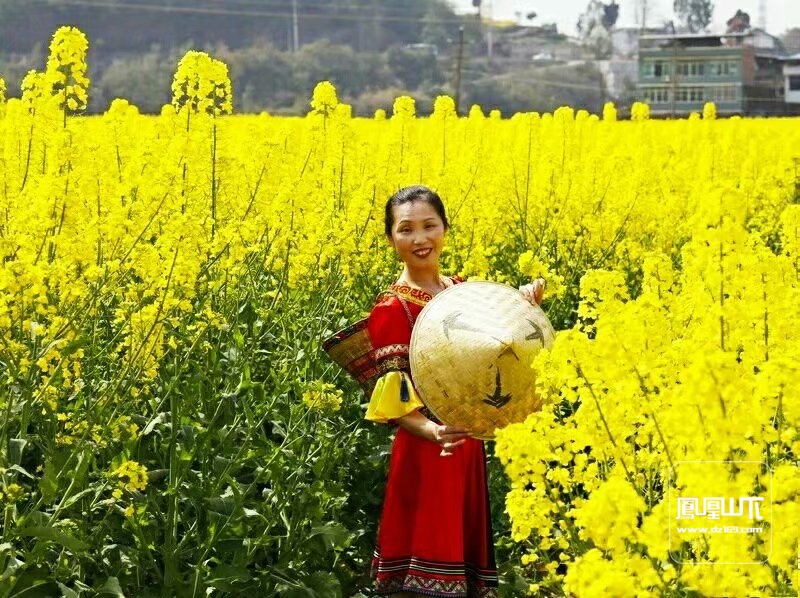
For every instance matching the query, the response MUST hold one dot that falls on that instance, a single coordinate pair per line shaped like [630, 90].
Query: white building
[791, 76]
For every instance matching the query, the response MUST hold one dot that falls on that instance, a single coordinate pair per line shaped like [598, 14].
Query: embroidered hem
[431, 578]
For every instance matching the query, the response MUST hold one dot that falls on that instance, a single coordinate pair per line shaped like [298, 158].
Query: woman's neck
[424, 279]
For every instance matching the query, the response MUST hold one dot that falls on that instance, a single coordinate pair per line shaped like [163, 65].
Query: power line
[245, 13]
[537, 81]
[321, 4]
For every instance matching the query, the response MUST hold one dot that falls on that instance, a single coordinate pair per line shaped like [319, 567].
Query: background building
[741, 72]
[791, 74]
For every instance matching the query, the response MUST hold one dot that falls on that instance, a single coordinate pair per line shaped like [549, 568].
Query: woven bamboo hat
[471, 353]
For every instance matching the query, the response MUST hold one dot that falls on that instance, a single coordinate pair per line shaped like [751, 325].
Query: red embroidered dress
[435, 535]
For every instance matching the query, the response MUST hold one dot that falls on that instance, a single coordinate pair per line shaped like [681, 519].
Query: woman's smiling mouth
[422, 252]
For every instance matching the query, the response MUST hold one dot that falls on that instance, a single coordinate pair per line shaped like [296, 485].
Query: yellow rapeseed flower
[130, 476]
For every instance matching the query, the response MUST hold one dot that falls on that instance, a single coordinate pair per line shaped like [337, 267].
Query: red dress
[435, 534]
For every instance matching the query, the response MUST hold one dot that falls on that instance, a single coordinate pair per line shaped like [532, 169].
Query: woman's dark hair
[411, 194]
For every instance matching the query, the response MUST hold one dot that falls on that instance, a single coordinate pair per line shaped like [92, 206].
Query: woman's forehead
[415, 210]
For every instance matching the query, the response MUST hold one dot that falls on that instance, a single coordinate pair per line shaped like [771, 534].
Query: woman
[435, 535]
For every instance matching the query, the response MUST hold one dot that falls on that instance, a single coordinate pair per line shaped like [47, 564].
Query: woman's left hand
[533, 292]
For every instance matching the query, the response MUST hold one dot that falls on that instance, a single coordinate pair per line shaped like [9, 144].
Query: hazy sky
[781, 14]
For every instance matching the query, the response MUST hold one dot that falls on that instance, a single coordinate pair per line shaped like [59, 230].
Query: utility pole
[642, 13]
[459, 61]
[489, 37]
[295, 34]
[674, 74]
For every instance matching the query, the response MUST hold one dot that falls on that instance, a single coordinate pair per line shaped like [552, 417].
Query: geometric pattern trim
[430, 578]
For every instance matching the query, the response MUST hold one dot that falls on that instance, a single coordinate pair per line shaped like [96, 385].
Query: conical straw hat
[471, 352]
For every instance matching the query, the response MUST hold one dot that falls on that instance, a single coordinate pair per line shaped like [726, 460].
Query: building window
[660, 69]
[722, 93]
[721, 69]
[690, 94]
[794, 82]
[655, 95]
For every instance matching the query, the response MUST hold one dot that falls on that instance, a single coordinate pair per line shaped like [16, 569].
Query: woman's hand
[449, 437]
[533, 292]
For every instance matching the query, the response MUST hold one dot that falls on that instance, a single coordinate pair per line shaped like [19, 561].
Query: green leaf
[48, 485]
[316, 585]
[15, 449]
[221, 464]
[11, 569]
[152, 424]
[325, 585]
[332, 535]
[66, 592]
[76, 497]
[224, 505]
[111, 588]
[40, 588]
[21, 470]
[224, 576]
[50, 534]
[156, 475]
[259, 395]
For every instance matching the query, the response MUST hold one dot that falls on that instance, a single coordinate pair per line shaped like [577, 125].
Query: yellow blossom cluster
[11, 493]
[322, 396]
[66, 69]
[201, 84]
[129, 476]
[324, 99]
[698, 368]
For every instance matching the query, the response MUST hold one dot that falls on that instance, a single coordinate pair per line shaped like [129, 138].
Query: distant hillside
[372, 50]
[135, 25]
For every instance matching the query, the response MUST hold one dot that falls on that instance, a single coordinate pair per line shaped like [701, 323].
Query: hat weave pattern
[471, 352]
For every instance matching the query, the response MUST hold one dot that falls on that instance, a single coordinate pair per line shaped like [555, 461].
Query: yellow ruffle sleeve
[385, 403]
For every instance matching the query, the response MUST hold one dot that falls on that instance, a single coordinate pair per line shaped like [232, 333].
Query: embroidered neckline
[416, 295]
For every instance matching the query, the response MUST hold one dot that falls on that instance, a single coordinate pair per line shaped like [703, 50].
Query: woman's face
[417, 234]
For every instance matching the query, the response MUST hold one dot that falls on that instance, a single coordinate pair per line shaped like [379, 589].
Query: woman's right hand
[449, 437]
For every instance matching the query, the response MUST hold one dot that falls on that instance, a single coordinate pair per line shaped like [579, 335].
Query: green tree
[350, 72]
[436, 26]
[414, 66]
[261, 77]
[695, 14]
[142, 79]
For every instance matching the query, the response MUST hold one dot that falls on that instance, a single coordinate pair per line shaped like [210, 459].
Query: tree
[739, 22]
[791, 40]
[610, 14]
[142, 79]
[594, 27]
[414, 66]
[695, 14]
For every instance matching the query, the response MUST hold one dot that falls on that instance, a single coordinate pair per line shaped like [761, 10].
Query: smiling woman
[435, 535]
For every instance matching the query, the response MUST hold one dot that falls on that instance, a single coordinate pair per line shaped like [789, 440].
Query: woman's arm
[448, 437]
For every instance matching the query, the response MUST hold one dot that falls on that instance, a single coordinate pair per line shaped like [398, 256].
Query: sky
[781, 14]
